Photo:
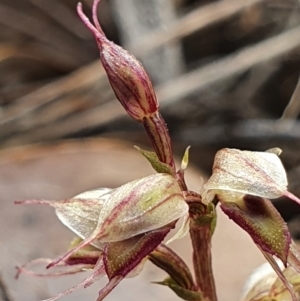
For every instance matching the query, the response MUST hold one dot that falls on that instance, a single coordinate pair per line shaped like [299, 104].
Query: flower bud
[126, 74]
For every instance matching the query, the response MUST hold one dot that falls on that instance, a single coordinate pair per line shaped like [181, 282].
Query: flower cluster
[118, 229]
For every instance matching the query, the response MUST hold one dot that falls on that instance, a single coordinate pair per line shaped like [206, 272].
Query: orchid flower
[243, 182]
[118, 227]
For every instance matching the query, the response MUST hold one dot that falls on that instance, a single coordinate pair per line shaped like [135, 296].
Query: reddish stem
[158, 133]
[202, 259]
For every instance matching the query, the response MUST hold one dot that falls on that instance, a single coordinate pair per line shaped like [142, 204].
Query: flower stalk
[158, 133]
[202, 259]
[202, 225]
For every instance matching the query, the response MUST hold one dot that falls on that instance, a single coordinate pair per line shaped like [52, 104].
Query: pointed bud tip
[95, 29]
[129, 80]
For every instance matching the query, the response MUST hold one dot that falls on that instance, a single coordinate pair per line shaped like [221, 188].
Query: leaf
[166, 259]
[181, 292]
[185, 159]
[275, 150]
[259, 218]
[157, 165]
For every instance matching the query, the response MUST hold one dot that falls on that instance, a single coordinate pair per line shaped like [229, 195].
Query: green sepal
[120, 258]
[157, 165]
[166, 259]
[182, 292]
[86, 255]
[260, 219]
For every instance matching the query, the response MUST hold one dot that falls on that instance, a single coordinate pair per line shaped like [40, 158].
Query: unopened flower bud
[126, 74]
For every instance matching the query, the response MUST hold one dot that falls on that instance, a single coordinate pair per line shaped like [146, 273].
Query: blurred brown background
[224, 71]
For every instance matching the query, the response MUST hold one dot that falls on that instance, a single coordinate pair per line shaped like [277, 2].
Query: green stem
[202, 259]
